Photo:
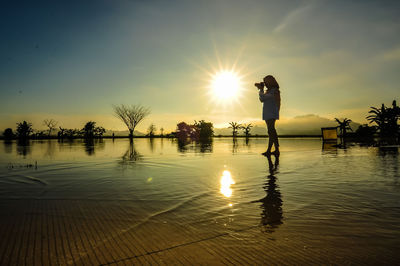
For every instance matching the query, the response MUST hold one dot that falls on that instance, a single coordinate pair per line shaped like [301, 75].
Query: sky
[73, 60]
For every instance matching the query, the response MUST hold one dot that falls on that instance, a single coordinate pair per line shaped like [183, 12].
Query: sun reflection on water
[226, 182]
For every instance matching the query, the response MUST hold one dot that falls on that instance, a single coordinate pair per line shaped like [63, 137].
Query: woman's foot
[267, 153]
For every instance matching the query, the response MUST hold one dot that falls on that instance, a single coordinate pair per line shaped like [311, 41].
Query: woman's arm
[264, 96]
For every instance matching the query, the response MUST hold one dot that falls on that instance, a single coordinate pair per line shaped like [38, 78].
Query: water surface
[319, 199]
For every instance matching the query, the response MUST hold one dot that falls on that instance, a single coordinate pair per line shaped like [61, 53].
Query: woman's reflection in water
[271, 204]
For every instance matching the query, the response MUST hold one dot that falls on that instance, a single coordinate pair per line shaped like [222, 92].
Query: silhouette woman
[271, 100]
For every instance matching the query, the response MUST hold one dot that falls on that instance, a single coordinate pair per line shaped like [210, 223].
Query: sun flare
[225, 85]
[226, 182]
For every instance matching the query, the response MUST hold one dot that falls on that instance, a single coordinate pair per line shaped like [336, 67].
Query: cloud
[391, 55]
[291, 17]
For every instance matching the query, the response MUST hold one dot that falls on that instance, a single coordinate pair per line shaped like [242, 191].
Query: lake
[152, 201]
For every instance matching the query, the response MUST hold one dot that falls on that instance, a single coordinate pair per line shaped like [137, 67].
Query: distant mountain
[122, 133]
[300, 125]
[256, 130]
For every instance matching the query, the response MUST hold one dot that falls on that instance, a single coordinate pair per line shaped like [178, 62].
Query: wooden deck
[63, 232]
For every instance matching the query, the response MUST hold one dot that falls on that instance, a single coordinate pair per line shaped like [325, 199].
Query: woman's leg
[273, 136]
[270, 140]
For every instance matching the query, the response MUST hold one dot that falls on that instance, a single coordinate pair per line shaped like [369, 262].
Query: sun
[225, 85]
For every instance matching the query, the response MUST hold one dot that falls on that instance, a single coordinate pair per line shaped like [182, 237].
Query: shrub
[8, 133]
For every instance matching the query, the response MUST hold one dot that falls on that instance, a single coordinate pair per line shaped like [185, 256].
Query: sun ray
[224, 101]
[217, 56]
[241, 51]
[225, 87]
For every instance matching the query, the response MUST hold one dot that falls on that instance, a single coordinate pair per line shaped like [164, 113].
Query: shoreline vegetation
[159, 136]
[383, 131]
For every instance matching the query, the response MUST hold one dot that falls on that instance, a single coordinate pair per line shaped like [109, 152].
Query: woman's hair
[270, 82]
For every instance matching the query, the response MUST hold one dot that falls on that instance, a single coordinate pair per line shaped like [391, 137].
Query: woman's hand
[259, 86]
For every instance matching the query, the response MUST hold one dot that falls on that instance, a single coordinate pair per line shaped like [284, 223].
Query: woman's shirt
[271, 100]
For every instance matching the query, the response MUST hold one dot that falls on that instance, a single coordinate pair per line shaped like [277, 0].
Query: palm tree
[247, 129]
[343, 127]
[235, 126]
[386, 119]
[378, 116]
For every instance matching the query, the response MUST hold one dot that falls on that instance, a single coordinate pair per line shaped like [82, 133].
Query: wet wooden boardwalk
[65, 232]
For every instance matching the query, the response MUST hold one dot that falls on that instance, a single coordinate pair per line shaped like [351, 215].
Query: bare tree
[51, 124]
[131, 115]
[151, 130]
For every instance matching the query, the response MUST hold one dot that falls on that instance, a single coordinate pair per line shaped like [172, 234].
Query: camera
[260, 85]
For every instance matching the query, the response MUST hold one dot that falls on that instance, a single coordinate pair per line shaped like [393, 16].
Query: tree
[343, 126]
[88, 129]
[99, 131]
[8, 133]
[235, 126]
[378, 116]
[162, 131]
[40, 134]
[61, 132]
[151, 130]
[24, 129]
[365, 133]
[205, 129]
[185, 132]
[386, 120]
[393, 117]
[72, 133]
[51, 124]
[131, 115]
[247, 129]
